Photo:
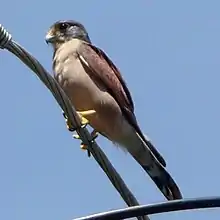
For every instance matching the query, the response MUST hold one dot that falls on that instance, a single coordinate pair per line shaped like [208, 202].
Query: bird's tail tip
[150, 159]
[167, 185]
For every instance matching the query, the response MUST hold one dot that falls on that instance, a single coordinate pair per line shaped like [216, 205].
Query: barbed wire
[6, 42]
[170, 206]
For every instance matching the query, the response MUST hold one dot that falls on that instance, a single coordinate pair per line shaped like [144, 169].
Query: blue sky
[169, 54]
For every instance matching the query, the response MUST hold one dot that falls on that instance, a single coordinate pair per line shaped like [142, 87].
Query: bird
[102, 99]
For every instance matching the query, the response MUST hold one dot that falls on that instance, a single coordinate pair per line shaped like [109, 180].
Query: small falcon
[100, 95]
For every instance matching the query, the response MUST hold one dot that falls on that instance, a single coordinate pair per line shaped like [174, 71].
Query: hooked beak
[50, 38]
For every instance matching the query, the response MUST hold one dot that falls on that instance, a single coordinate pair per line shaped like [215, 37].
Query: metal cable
[175, 205]
[5, 37]
[6, 42]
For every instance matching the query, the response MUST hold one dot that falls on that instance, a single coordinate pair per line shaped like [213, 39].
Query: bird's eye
[63, 26]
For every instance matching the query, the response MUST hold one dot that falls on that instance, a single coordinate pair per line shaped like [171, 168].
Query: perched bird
[98, 92]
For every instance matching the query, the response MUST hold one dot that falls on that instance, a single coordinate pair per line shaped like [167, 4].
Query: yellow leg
[86, 113]
[83, 119]
[83, 115]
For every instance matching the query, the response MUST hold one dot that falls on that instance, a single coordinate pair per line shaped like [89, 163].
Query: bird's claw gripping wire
[69, 125]
[83, 146]
[82, 115]
[84, 123]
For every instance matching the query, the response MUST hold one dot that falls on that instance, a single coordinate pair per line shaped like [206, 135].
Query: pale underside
[86, 93]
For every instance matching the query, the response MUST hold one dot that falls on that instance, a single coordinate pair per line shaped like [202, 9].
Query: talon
[83, 146]
[64, 115]
[84, 122]
[68, 123]
[94, 134]
[76, 136]
[69, 126]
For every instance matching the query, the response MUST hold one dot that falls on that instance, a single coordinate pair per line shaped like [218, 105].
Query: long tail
[141, 152]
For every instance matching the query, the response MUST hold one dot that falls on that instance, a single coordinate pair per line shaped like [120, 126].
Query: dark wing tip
[165, 183]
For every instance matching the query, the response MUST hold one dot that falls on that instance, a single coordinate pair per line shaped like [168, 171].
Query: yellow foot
[83, 115]
[83, 119]
[68, 123]
[83, 146]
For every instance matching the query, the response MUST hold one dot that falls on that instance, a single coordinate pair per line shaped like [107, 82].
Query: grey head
[66, 30]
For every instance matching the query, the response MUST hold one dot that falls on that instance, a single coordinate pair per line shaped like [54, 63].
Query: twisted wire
[6, 42]
[5, 37]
